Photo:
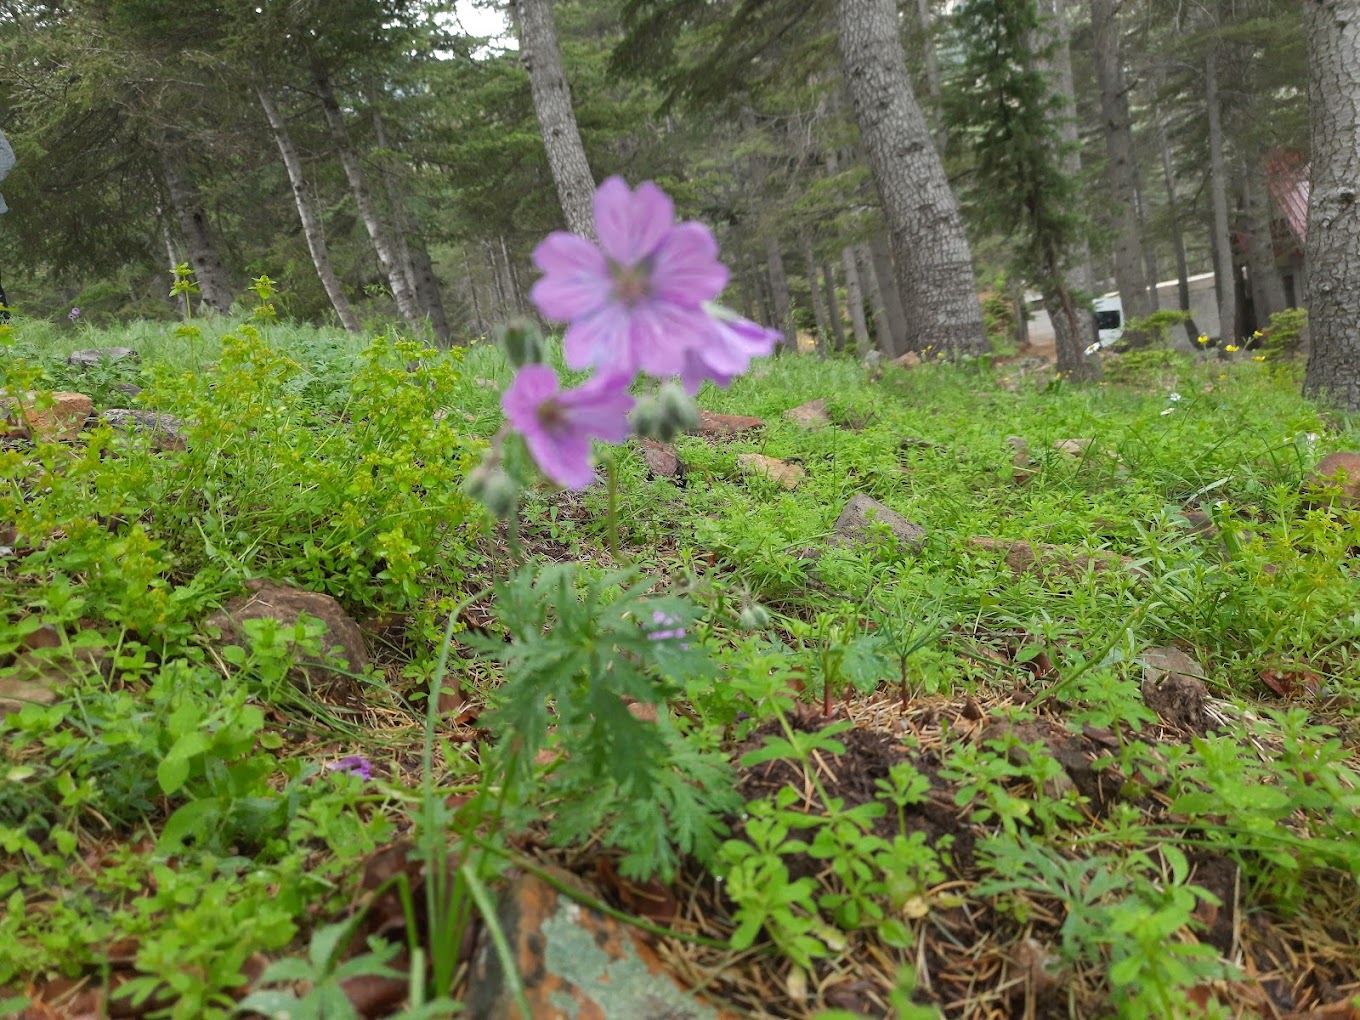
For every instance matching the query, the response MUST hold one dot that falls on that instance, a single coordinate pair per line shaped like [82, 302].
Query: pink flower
[354, 765]
[634, 302]
[558, 424]
[735, 341]
[670, 629]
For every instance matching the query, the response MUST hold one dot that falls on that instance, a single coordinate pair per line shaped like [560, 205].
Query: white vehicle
[1109, 319]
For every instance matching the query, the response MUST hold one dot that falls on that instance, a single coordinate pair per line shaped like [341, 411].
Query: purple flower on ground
[635, 301]
[728, 354]
[669, 628]
[74, 314]
[558, 424]
[354, 765]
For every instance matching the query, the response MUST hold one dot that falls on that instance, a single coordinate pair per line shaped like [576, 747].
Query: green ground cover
[169, 824]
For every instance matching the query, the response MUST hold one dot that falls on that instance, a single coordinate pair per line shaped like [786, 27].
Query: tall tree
[542, 58]
[933, 261]
[1333, 28]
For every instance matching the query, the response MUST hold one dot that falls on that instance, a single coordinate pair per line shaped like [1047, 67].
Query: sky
[485, 20]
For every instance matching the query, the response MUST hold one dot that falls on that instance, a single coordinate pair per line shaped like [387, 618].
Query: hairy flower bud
[521, 341]
[493, 488]
[754, 617]
[665, 414]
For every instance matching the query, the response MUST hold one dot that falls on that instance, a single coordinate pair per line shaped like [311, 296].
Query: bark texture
[312, 231]
[933, 262]
[1129, 273]
[1058, 34]
[815, 292]
[779, 290]
[1267, 285]
[214, 286]
[542, 58]
[1177, 235]
[1225, 277]
[1333, 246]
[880, 249]
[383, 245]
[854, 298]
[833, 306]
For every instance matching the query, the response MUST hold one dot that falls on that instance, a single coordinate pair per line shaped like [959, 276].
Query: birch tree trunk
[1333, 245]
[214, 286]
[1129, 273]
[312, 231]
[1225, 284]
[541, 57]
[933, 262]
[833, 305]
[388, 257]
[854, 298]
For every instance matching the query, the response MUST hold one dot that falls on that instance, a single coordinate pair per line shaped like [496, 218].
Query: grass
[945, 821]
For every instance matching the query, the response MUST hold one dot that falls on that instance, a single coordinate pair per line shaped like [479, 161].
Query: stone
[1345, 465]
[574, 962]
[785, 474]
[127, 389]
[164, 428]
[661, 459]
[811, 415]
[1022, 464]
[1173, 687]
[38, 675]
[61, 422]
[1042, 559]
[724, 426]
[341, 638]
[1073, 447]
[909, 360]
[857, 523]
[93, 357]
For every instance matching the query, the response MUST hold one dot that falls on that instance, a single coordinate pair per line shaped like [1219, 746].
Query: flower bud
[665, 414]
[521, 341]
[493, 488]
[754, 617]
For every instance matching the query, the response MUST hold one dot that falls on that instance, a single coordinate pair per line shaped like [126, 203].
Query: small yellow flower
[1258, 334]
[1231, 348]
[1258, 357]
[1223, 377]
[1202, 339]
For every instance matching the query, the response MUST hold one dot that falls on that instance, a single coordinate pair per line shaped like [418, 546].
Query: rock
[95, 356]
[164, 428]
[723, 426]
[917, 443]
[1042, 559]
[61, 422]
[341, 638]
[661, 459]
[1197, 522]
[1073, 447]
[39, 674]
[811, 415]
[787, 475]
[909, 360]
[1344, 464]
[1173, 687]
[1022, 463]
[856, 525]
[575, 963]
[127, 389]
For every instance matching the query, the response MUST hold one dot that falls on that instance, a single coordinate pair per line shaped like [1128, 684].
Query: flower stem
[612, 521]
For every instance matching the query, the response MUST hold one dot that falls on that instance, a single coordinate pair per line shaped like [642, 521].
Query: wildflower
[1258, 335]
[635, 301]
[1093, 348]
[734, 341]
[1258, 357]
[669, 629]
[1231, 348]
[558, 424]
[1173, 396]
[1202, 339]
[1168, 410]
[74, 314]
[1223, 377]
[353, 765]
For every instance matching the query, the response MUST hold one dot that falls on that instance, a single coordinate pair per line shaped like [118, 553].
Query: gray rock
[164, 428]
[859, 522]
[93, 357]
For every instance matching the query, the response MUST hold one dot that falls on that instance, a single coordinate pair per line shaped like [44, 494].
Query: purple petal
[686, 269]
[576, 279]
[660, 333]
[532, 385]
[563, 457]
[631, 224]
[600, 340]
[599, 408]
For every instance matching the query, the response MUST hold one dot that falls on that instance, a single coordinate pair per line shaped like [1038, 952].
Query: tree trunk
[1267, 286]
[833, 306]
[312, 231]
[430, 293]
[932, 67]
[1177, 233]
[1225, 283]
[1333, 245]
[854, 299]
[541, 57]
[874, 290]
[814, 292]
[1080, 275]
[479, 323]
[932, 260]
[779, 289]
[881, 250]
[1129, 273]
[214, 286]
[1149, 253]
[383, 245]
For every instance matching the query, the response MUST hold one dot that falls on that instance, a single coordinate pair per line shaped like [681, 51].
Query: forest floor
[1075, 736]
